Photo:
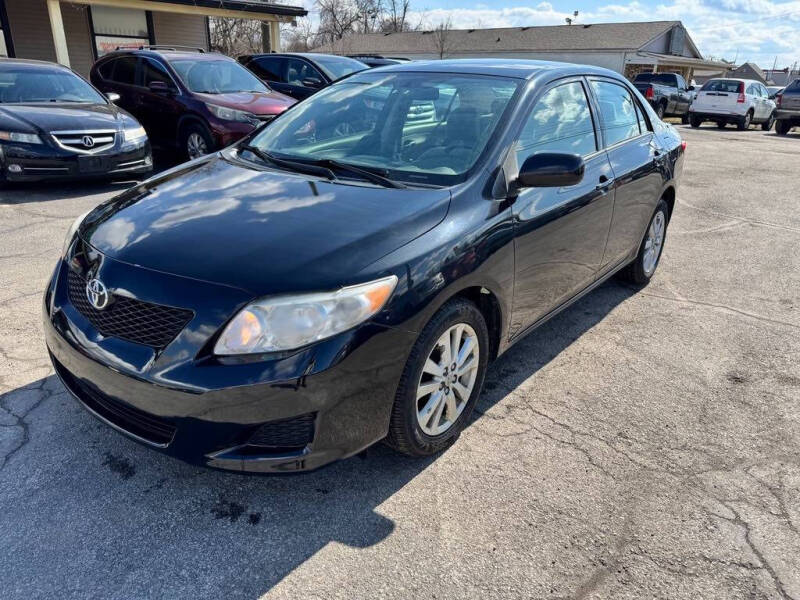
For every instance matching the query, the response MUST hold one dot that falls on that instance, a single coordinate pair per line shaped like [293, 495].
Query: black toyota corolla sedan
[345, 274]
[55, 125]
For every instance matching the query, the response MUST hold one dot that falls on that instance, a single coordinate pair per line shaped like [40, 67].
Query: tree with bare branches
[234, 36]
[443, 38]
[395, 16]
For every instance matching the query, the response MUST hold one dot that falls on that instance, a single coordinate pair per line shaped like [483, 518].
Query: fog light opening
[14, 169]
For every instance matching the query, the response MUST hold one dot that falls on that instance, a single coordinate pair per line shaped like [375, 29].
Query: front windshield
[217, 76]
[40, 85]
[337, 67]
[416, 127]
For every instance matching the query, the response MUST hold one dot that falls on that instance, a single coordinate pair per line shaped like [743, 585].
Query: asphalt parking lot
[640, 445]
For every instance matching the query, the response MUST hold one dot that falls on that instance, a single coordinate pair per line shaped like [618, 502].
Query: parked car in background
[667, 93]
[774, 90]
[55, 125]
[300, 75]
[741, 102]
[194, 101]
[787, 114]
[295, 298]
[375, 60]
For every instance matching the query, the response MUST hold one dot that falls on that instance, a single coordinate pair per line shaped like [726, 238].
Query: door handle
[604, 184]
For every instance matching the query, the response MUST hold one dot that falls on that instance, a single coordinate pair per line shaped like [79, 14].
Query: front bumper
[225, 413]
[30, 163]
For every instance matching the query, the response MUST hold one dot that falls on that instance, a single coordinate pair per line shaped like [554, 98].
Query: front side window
[618, 118]
[115, 27]
[298, 71]
[559, 122]
[416, 127]
[153, 71]
[30, 86]
[216, 76]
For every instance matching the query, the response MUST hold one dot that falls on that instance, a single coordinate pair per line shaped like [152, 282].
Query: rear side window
[559, 122]
[618, 117]
[298, 70]
[153, 71]
[125, 70]
[106, 70]
[268, 68]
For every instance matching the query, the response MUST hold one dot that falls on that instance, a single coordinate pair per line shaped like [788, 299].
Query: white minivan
[738, 101]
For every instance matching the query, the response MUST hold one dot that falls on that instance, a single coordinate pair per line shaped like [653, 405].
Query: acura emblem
[97, 294]
[88, 141]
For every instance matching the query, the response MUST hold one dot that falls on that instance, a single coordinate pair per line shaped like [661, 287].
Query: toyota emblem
[88, 141]
[97, 294]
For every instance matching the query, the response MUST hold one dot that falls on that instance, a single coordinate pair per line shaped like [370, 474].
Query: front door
[560, 233]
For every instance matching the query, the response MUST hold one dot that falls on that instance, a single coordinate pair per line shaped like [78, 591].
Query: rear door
[637, 164]
[159, 112]
[119, 75]
[270, 70]
[560, 233]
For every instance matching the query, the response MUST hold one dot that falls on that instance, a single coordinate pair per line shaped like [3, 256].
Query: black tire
[660, 110]
[782, 127]
[405, 434]
[745, 121]
[634, 272]
[684, 119]
[721, 124]
[767, 125]
[695, 122]
[190, 129]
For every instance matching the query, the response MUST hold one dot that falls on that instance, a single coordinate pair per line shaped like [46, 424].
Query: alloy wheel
[195, 145]
[653, 243]
[447, 379]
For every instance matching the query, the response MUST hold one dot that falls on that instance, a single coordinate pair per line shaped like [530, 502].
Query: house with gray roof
[627, 48]
[749, 71]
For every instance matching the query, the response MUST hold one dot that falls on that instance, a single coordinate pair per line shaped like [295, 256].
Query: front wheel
[695, 122]
[196, 141]
[767, 125]
[684, 119]
[644, 265]
[441, 381]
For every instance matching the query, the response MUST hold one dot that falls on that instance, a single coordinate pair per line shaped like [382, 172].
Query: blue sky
[755, 30]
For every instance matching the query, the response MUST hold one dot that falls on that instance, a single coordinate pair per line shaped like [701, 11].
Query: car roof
[40, 65]
[308, 55]
[168, 54]
[517, 68]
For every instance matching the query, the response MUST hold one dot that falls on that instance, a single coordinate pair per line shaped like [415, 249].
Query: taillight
[683, 145]
[778, 100]
[649, 93]
[740, 99]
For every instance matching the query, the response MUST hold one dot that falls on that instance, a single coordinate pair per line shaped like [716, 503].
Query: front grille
[85, 142]
[128, 418]
[287, 434]
[136, 321]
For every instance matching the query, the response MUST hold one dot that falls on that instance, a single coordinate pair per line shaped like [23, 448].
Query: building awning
[242, 9]
[648, 58]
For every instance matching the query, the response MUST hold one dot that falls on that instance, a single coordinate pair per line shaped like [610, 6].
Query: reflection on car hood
[258, 103]
[63, 116]
[264, 231]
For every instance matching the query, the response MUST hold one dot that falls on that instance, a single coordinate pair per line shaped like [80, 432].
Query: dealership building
[78, 32]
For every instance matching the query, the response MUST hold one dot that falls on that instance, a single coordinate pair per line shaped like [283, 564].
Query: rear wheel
[660, 110]
[767, 125]
[684, 119]
[644, 265]
[745, 121]
[441, 381]
[721, 124]
[782, 127]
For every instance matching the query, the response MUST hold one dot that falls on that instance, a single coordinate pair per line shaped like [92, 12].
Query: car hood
[267, 232]
[258, 103]
[63, 116]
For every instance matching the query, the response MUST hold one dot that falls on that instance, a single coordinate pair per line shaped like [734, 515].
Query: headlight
[134, 134]
[230, 114]
[25, 138]
[290, 322]
[73, 229]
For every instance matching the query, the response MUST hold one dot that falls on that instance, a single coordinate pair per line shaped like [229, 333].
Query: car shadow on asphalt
[124, 508]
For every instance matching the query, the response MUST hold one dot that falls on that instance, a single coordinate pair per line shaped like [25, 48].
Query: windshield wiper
[290, 165]
[364, 173]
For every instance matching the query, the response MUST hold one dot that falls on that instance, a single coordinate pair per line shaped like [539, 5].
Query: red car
[194, 101]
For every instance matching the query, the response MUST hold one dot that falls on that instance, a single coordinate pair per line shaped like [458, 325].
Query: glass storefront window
[115, 27]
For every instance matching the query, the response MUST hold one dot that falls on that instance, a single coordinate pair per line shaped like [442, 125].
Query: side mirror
[159, 87]
[312, 82]
[549, 169]
[113, 97]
